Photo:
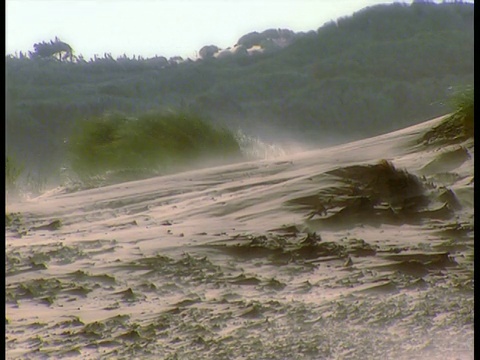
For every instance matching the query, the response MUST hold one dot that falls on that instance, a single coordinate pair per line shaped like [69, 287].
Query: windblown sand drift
[363, 250]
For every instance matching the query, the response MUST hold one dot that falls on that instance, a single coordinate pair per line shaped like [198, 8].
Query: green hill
[383, 68]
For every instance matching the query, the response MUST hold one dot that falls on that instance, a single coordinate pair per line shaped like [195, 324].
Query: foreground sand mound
[374, 195]
[362, 250]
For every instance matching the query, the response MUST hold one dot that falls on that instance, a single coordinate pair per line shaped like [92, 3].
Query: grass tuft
[12, 175]
[464, 114]
[457, 127]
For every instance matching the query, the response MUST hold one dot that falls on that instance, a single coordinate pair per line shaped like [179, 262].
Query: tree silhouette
[53, 49]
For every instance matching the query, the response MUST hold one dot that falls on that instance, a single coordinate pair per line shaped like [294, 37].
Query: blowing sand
[358, 251]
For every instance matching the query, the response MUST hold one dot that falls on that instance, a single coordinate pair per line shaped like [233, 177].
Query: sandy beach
[358, 251]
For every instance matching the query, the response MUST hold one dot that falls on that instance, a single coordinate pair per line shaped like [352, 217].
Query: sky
[167, 28]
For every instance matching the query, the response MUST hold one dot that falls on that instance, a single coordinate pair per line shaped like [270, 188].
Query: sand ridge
[361, 250]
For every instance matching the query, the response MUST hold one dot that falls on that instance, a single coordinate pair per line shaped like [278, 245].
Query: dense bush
[151, 143]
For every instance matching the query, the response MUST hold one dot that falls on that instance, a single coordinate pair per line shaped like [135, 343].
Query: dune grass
[13, 171]
[148, 144]
[458, 126]
[464, 113]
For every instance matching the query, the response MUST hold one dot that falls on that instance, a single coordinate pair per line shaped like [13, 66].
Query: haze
[160, 27]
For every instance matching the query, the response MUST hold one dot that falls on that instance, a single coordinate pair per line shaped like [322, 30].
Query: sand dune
[358, 251]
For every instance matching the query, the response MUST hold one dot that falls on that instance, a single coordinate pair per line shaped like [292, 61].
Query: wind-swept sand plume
[358, 251]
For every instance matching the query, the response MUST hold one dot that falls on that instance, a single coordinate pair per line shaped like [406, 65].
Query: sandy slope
[326, 254]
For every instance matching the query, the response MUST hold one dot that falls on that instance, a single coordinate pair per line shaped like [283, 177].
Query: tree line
[383, 68]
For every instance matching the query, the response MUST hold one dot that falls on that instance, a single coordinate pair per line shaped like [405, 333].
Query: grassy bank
[121, 147]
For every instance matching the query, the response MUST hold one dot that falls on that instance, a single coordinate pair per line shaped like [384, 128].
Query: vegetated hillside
[381, 69]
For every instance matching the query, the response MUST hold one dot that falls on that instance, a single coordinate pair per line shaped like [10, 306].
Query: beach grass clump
[21, 182]
[149, 144]
[8, 220]
[13, 171]
[458, 126]
[464, 113]
[13, 219]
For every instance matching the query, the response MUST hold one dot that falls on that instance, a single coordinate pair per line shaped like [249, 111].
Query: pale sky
[161, 27]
